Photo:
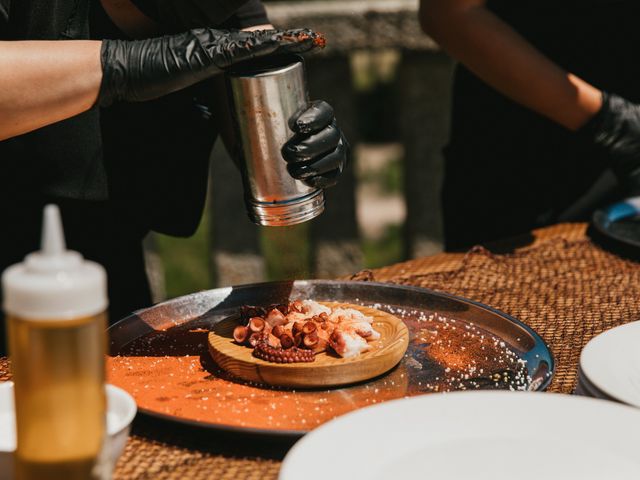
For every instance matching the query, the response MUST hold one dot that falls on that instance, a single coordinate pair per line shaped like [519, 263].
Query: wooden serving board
[328, 369]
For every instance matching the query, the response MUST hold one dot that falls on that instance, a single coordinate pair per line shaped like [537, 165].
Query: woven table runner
[555, 280]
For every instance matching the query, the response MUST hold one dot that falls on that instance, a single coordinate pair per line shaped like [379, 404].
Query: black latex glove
[147, 69]
[318, 152]
[615, 131]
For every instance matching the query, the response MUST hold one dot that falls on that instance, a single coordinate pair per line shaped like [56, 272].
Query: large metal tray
[147, 336]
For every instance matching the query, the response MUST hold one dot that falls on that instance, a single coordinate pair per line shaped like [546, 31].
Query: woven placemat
[555, 280]
[154, 452]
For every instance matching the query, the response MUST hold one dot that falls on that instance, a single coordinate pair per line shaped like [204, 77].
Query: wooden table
[555, 279]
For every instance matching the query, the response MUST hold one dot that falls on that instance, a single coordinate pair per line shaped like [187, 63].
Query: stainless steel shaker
[265, 95]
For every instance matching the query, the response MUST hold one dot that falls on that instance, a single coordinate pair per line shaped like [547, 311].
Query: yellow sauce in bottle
[55, 303]
[58, 370]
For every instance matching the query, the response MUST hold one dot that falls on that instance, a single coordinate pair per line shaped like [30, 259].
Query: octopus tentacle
[266, 352]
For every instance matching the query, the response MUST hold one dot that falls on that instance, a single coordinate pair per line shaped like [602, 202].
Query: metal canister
[265, 95]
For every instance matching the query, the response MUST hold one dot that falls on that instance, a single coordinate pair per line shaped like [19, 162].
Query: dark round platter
[159, 356]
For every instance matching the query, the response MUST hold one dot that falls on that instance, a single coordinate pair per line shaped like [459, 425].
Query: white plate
[121, 409]
[474, 435]
[611, 362]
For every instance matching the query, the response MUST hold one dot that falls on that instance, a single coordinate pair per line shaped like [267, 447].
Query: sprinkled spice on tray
[171, 373]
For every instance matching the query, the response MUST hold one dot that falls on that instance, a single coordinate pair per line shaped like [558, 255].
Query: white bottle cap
[54, 283]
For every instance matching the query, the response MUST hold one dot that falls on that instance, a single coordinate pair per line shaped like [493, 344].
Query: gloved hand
[615, 131]
[147, 69]
[318, 152]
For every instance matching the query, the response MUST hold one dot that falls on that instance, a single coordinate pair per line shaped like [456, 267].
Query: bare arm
[505, 60]
[43, 82]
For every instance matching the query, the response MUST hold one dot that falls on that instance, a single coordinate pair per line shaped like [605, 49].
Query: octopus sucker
[266, 352]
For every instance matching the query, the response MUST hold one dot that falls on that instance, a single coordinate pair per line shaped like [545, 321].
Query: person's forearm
[43, 82]
[506, 61]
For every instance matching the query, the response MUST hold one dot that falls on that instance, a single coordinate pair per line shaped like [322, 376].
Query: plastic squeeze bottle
[55, 303]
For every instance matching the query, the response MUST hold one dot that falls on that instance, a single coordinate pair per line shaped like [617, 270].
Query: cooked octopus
[296, 332]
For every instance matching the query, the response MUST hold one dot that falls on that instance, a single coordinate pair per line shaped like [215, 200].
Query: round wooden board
[328, 370]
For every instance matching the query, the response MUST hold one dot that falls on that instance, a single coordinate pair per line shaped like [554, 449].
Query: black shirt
[509, 169]
[157, 153]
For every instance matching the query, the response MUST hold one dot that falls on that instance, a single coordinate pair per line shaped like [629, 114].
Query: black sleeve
[177, 15]
[153, 180]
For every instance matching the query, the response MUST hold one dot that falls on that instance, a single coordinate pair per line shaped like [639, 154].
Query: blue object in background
[626, 209]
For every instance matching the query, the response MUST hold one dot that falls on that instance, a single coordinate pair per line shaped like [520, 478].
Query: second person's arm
[502, 58]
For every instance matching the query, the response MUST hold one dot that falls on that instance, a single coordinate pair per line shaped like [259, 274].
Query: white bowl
[121, 409]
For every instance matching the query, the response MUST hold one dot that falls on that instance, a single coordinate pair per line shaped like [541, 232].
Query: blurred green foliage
[392, 179]
[383, 251]
[186, 261]
[389, 179]
[287, 251]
